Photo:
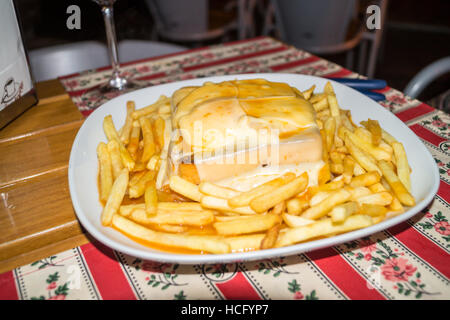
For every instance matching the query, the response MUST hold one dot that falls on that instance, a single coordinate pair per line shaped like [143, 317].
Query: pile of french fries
[365, 179]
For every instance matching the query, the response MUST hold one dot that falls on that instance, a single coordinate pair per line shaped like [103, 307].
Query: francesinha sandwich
[243, 133]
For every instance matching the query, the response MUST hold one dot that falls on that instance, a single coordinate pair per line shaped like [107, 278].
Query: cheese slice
[231, 128]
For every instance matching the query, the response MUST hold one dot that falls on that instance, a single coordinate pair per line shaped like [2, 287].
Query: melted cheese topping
[216, 115]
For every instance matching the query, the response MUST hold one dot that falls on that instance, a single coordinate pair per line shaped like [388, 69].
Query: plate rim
[299, 248]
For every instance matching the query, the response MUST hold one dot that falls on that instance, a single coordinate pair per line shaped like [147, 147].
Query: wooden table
[36, 214]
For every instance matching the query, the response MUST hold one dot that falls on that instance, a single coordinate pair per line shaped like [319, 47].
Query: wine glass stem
[108, 15]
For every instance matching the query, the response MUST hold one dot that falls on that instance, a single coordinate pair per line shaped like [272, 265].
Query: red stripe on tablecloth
[444, 191]
[339, 74]
[107, 273]
[236, 58]
[346, 278]
[293, 64]
[422, 247]
[427, 135]
[8, 287]
[238, 288]
[385, 89]
[414, 112]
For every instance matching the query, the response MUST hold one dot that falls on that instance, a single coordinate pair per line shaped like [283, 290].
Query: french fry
[337, 168]
[267, 201]
[256, 223]
[366, 135]
[308, 93]
[222, 205]
[295, 221]
[245, 197]
[366, 161]
[270, 238]
[116, 161]
[169, 228]
[184, 217]
[115, 198]
[164, 109]
[321, 105]
[358, 170]
[345, 121]
[322, 228]
[126, 129]
[377, 187]
[328, 88]
[111, 134]
[245, 243]
[236, 216]
[358, 192]
[279, 208]
[343, 211]
[321, 209]
[396, 206]
[295, 206]
[384, 135]
[349, 167]
[375, 151]
[149, 142]
[135, 178]
[365, 179]
[135, 135]
[151, 198]
[138, 189]
[319, 197]
[215, 190]
[397, 186]
[316, 97]
[139, 166]
[402, 165]
[330, 186]
[387, 137]
[154, 163]
[373, 210]
[379, 198]
[210, 244]
[188, 206]
[324, 114]
[158, 128]
[330, 128]
[185, 188]
[334, 108]
[105, 171]
[151, 108]
[374, 127]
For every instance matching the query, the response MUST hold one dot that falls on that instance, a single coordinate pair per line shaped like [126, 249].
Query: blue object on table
[371, 94]
[365, 86]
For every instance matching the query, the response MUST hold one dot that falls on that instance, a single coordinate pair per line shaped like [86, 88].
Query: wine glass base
[120, 84]
[98, 95]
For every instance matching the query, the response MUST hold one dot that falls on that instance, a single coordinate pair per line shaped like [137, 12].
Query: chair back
[52, 62]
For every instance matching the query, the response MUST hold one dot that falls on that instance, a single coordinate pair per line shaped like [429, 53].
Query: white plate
[83, 168]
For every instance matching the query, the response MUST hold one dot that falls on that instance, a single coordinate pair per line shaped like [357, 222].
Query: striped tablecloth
[408, 261]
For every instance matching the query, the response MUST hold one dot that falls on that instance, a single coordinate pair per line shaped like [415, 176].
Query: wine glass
[117, 83]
